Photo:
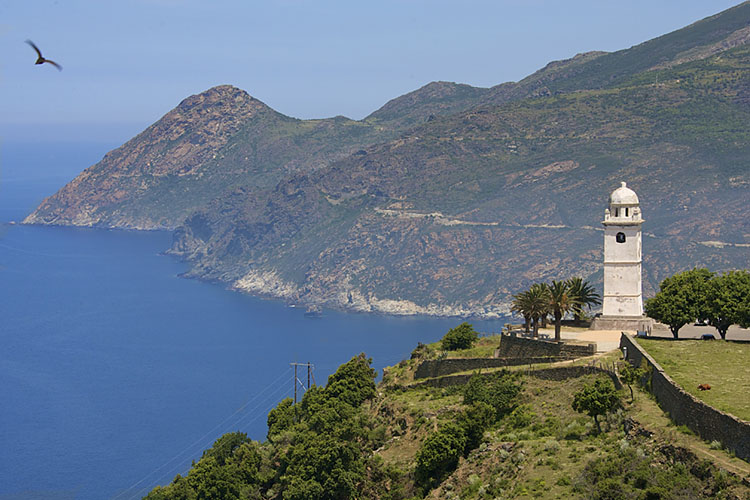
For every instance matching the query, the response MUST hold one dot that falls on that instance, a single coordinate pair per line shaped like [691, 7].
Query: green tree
[596, 399]
[499, 390]
[323, 464]
[522, 305]
[245, 463]
[461, 337]
[539, 300]
[681, 299]
[631, 375]
[561, 301]
[533, 305]
[225, 446]
[439, 455]
[318, 449]
[476, 419]
[281, 418]
[584, 295]
[211, 481]
[354, 381]
[728, 301]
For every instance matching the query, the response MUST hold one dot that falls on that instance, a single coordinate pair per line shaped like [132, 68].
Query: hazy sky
[128, 62]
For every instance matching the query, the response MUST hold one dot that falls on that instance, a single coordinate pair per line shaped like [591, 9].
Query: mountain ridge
[437, 202]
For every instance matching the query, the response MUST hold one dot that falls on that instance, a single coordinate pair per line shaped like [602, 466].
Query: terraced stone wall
[685, 409]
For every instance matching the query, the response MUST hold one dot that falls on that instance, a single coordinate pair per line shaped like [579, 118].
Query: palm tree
[538, 301]
[560, 303]
[532, 305]
[521, 305]
[584, 294]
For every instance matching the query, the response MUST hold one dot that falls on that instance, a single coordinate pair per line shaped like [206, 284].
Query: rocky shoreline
[351, 299]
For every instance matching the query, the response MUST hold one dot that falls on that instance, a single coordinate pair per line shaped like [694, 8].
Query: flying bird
[41, 59]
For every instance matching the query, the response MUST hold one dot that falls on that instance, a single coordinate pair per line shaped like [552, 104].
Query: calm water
[114, 373]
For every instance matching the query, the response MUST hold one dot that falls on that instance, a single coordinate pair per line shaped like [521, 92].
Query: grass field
[725, 366]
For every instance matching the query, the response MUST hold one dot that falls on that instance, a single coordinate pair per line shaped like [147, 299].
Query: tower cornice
[623, 222]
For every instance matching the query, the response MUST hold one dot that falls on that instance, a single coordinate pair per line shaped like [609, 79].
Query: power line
[241, 422]
[296, 379]
[202, 438]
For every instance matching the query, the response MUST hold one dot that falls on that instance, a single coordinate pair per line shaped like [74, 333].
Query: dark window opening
[620, 237]
[626, 212]
[617, 212]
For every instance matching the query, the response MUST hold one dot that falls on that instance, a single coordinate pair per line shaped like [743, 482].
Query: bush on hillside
[597, 399]
[499, 390]
[439, 454]
[461, 337]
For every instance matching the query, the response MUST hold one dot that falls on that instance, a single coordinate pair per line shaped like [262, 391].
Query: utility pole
[310, 375]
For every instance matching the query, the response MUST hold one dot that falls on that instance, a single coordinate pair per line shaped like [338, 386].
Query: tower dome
[624, 206]
[623, 195]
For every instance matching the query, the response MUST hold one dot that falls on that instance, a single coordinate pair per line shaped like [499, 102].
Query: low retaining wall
[685, 409]
[555, 373]
[441, 367]
[520, 347]
[513, 351]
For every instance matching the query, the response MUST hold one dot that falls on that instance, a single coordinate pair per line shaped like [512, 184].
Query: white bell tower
[622, 256]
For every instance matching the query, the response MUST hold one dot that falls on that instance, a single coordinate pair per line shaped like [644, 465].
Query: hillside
[501, 435]
[450, 198]
[457, 214]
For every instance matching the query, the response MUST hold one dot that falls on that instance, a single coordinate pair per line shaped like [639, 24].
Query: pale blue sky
[128, 62]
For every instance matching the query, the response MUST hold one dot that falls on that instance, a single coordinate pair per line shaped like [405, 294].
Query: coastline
[350, 299]
[270, 284]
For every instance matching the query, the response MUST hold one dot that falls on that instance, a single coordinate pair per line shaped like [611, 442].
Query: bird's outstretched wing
[53, 63]
[40, 59]
[38, 52]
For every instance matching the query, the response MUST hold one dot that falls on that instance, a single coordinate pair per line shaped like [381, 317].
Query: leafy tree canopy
[439, 454]
[681, 299]
[461, 337]
[596, 399]
[498, 390]
[728, 301]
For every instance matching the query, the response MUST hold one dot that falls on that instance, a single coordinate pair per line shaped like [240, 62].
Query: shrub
[499, 390]
[475, 420]
[610, 489]
[563, 481]
[520, 417]
[439, 455]
[281, 417]
[597, 399]
[461, 337]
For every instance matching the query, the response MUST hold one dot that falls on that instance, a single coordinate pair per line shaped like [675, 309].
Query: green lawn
[725, 366]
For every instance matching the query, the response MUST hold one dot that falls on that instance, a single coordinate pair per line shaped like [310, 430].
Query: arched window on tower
[620, 237]
[626, 212]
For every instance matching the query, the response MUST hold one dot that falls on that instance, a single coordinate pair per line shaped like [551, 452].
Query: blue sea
[115, 373]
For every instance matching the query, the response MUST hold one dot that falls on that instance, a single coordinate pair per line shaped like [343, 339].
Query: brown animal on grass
[704, 387]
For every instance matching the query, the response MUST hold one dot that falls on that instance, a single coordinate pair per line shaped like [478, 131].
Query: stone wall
[554, 373]
[685, 409]
[513, 351]
[441, 367]
[520, 347]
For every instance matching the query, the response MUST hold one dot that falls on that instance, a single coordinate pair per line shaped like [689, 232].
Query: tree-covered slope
[501, 435]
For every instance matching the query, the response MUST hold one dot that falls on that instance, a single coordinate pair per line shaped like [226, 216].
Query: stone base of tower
[634, 323]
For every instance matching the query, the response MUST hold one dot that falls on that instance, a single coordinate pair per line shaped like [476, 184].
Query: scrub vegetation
[505, 434]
